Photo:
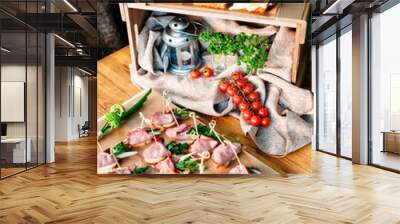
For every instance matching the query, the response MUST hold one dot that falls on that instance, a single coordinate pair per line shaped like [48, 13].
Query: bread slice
[258, 8]
[213, 5]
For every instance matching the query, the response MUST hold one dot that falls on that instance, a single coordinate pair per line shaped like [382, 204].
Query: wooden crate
[292, 15]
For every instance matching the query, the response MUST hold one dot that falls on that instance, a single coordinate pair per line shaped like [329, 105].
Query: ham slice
[123, 170]
[105, 163]
[179, 133]
[224, 153]
[163, 119]
[139, 136]
[155, 153]
[239, 169]
[166, 166]
[105, 159]
[202, 144]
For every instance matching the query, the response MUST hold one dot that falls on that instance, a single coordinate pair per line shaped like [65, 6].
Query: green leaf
[203, 130]
[120, 148]
[187, 164]
[113, 119]
[178, 148]
[140, 170]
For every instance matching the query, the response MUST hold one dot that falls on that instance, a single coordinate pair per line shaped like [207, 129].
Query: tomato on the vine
[244, 106]
[254, 96]
[241, 82]
[247, 114]
[237, 75]
[224, 86]
[265, 122]
[255, 120]
[263, 112]
[256, 105]
[232, 91]
[248, 88]
[237, 99]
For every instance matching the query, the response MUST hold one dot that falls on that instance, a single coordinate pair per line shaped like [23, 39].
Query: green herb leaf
[181, 114]
[187, 164]
[113, 119]
[120, 148]
[204, 130]
[252, 49]
[178, 148]
[140, 170]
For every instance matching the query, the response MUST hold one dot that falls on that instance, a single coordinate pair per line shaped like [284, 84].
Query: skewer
[164, 98]
[204, 155]
[149, 123]
[237, 157]
[111, 153]
[193, 115]
[168, 105]
[212, 125]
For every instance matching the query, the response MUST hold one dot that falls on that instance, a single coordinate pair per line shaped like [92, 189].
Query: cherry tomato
[224, 86]
[237, 75]
[256, 105]
[232, 91]
[265, 122]
[255, 120]
[237, 99]
[263, 112]
[248, 88]
[241, 82]
[254, 96]
[207, 72]
[247, 114]
[244, 106]
[195, 74]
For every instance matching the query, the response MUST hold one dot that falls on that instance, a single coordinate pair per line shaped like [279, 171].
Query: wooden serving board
[152, 105]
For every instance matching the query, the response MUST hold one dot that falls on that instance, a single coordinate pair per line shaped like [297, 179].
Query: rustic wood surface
[69, 191]
[114, 86]
[154, 104]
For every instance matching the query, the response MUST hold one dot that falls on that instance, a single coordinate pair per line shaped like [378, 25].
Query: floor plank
[69, 191]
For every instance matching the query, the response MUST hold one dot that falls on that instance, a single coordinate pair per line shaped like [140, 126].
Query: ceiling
[74, 22]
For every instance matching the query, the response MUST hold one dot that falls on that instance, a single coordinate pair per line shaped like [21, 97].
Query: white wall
[71, 93]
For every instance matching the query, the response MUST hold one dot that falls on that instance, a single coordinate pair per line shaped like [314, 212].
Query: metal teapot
[180, 46]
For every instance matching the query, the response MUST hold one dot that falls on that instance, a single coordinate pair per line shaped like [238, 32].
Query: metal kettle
[180, 47]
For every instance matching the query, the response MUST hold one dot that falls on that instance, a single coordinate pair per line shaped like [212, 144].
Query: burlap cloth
[290, 107]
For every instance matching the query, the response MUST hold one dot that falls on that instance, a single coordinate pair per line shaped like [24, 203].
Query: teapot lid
[179, 23]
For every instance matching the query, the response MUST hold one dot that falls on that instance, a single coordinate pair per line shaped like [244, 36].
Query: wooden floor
[69, 191]
[115, 86]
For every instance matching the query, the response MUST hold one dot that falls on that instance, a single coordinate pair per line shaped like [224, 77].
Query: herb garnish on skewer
[145, 120]
[118, 114]
[212, 125]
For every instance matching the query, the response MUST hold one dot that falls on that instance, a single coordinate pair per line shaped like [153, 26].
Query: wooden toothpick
[148, 123]
[212, 125]
[164, 99]
[172, 111]
[204, 155]
[234, 152]
[193, 116]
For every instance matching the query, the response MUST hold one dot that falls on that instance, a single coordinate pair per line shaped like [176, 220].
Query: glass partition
[326, 96]
[22, 77]
[14, 155]
[346, 93]
[385, 89]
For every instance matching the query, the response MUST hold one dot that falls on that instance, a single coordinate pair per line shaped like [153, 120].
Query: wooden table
[115, 86]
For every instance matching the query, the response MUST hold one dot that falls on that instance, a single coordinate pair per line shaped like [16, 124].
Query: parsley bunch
[252, 49]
